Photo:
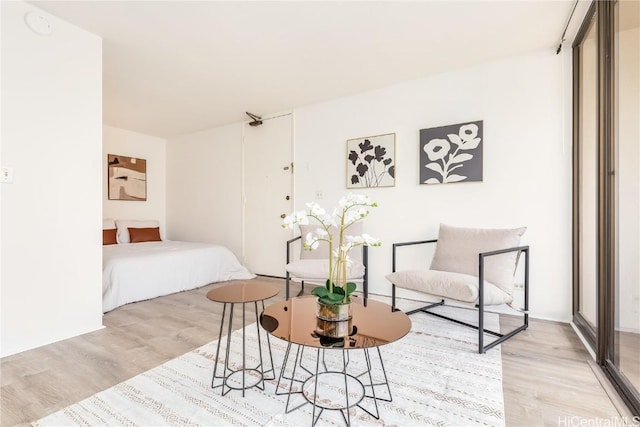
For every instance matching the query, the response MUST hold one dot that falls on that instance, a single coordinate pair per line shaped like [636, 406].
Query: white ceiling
[174, 67]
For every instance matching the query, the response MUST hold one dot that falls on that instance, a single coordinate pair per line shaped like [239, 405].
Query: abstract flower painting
[451, 153]
[371, 161]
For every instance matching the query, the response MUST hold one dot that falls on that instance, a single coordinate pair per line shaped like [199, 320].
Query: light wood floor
[546, 377]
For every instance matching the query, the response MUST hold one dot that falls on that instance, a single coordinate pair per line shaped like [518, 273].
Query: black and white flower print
[370, 161]
[451, 153]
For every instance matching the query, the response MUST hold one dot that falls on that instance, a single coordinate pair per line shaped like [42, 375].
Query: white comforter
[139, 271]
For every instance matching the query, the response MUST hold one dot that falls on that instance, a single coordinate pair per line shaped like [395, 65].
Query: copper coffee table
[374, 324]
[241, 293]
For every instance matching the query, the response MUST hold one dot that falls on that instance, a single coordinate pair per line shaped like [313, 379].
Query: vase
[333, 320]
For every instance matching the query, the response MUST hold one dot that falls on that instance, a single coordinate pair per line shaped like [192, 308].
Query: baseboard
[584, 341]
[628, 330]
[627, 417]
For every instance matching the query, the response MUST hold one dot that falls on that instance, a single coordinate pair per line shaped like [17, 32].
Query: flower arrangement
[351, 209]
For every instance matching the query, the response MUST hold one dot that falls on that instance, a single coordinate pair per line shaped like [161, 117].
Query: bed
[143, 270]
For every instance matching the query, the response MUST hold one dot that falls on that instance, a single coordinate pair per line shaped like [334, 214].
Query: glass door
[606, 191]
[624, 342]
[586, 178]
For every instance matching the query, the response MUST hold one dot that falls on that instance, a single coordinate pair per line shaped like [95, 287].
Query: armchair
[312, 266]
[472, 266]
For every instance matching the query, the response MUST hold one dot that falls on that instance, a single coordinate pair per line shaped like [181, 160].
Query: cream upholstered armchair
[313, 266]
[470, 265]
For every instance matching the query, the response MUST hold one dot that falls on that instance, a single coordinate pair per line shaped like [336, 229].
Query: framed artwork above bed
[127, 178]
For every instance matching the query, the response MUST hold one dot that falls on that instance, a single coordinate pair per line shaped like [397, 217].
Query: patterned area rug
[435, 373]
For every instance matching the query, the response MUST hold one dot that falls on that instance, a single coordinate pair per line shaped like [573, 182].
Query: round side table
[241, 293]
[374, 325]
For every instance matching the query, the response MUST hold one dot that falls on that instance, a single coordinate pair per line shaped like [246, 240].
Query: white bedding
[139, 271]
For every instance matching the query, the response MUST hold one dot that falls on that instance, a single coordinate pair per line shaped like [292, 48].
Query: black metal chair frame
[365, 262]
[480, 306]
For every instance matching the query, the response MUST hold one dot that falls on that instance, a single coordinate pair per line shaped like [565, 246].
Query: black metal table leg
[244, 293]
[215, 366]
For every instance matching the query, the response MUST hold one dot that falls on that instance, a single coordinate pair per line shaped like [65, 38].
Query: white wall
[204, 187]
[527, 164]
[141, 146]
[527, 167]
[51, 214]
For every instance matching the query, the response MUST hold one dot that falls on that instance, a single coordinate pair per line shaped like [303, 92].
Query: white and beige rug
[436, 377]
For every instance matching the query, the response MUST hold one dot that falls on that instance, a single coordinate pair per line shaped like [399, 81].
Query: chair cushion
[457, 286]
[458, 248]
[319, 269]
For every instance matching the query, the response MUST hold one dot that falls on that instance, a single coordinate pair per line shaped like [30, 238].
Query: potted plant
[334, 298]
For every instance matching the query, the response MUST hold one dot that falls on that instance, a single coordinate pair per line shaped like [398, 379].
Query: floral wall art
[451, 153]
[371, 161]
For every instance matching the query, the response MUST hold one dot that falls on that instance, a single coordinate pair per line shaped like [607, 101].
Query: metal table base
[363, 381]
[258, 372]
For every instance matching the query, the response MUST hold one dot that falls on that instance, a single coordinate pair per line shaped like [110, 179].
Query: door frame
[588, 332]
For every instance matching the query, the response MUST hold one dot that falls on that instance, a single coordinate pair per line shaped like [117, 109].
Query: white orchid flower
[344, 249]
[288, 221]
[352, 208]
[315, 209]
[334, 218]
[344, 201]
[329, 220]
[364, 239]
[351, 216]
[321, 233]
[298, 217]
[349, 261]
[295, 218]
[351, 239]
[370, 241]
[311, 242]
[301, 217]
[362, 199]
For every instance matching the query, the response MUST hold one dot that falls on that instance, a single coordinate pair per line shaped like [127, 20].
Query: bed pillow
[123, 226]
[108, 224]
[109, 236]
[138, 235]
